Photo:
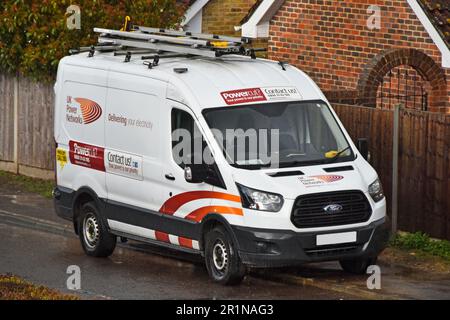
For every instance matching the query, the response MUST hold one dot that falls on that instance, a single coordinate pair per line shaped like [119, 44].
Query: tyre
[94, 236]
[222, 259]
[357, 265]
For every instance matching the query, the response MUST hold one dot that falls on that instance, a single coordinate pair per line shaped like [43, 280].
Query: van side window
[185, 134]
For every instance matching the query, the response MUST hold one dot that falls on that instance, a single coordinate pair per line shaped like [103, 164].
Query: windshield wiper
[252, 166]
[336, 156]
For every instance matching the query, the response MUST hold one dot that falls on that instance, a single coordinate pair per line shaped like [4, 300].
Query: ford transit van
[240, 160]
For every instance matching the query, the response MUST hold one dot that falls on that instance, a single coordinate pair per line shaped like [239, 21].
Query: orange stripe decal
[199, 214]
[185, 242]
[162, 236]
[174, 203]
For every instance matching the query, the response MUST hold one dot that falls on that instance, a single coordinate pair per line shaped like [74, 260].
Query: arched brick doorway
[380, 66]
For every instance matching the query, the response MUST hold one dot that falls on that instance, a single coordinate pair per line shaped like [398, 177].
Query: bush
[34, 34]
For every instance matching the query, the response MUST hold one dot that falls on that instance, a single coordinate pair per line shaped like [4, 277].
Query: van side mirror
[363, 146]
[195, 173]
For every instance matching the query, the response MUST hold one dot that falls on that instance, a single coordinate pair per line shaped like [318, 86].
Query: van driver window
[187, 140]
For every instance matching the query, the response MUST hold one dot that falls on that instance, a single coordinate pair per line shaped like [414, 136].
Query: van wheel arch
[83, 196]
[211, 221]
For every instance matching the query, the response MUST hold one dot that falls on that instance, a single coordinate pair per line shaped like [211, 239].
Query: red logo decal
[86, 155]
[90, 110]
[243, 96]
[329, 178]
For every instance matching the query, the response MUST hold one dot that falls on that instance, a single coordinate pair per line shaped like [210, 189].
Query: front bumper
[276, 248]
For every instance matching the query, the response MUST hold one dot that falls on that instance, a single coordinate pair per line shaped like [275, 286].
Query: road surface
[38, 246]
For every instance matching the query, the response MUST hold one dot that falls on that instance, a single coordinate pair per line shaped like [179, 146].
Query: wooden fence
[26, 126]
[424, 163]
[6, 118]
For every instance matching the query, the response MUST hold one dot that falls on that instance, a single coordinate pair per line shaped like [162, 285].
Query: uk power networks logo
[329, 178]
[82, 110]
[320, 180]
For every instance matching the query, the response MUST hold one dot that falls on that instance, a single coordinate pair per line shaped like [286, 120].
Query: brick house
[376, 53]
[217, 16]
[221, 17]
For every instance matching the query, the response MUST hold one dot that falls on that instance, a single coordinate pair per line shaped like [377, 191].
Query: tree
[34, 34]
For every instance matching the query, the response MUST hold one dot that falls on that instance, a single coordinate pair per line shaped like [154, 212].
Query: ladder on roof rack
[162, 41]
[204, 36]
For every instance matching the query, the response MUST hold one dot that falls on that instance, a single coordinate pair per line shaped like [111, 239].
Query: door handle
[170, 177]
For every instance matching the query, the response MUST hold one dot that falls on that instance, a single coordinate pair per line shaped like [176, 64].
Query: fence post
[395, 145]
[16, 124]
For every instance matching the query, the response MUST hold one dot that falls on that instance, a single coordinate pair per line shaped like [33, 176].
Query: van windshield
[284, 134]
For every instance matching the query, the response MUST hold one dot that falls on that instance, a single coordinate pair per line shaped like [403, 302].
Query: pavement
[38, 246]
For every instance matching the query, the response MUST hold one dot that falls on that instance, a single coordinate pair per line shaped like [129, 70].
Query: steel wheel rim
[220, 257]
[91, 231]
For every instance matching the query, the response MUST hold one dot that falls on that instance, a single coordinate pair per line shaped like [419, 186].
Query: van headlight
[376, 190]
[260, 200]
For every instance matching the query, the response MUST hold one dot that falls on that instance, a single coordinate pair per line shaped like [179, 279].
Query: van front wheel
[95, 238]
[222, 259]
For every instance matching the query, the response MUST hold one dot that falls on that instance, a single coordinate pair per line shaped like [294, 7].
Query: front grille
[308, 211]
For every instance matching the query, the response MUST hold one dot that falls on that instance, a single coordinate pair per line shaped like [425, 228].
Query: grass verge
[423, 244]
[14, 288]
[42, 187]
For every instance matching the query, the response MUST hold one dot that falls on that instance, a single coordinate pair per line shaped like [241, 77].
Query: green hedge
[34, 34]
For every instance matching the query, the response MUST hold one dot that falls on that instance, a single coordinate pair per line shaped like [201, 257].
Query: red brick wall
[221, 16]
[330, 41]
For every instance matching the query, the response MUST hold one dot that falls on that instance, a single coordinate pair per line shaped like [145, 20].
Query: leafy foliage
[14, 288]
[34, 34]
[423, 242]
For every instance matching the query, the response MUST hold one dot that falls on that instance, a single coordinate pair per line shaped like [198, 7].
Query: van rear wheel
[94, 236]
[222, 259]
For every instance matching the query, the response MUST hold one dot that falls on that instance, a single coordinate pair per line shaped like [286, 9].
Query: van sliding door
[132, 154]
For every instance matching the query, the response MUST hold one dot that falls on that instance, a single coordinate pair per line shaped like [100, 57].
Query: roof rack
[204, 36]
[166, 42]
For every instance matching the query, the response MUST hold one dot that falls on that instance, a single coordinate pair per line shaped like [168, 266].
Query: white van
[121, 172]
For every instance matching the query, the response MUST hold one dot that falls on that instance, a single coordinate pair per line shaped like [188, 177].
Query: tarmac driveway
[39, 247]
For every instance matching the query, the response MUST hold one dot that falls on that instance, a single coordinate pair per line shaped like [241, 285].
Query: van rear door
[79, 130]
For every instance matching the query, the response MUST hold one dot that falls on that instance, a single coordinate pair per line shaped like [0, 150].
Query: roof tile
[438, 12]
